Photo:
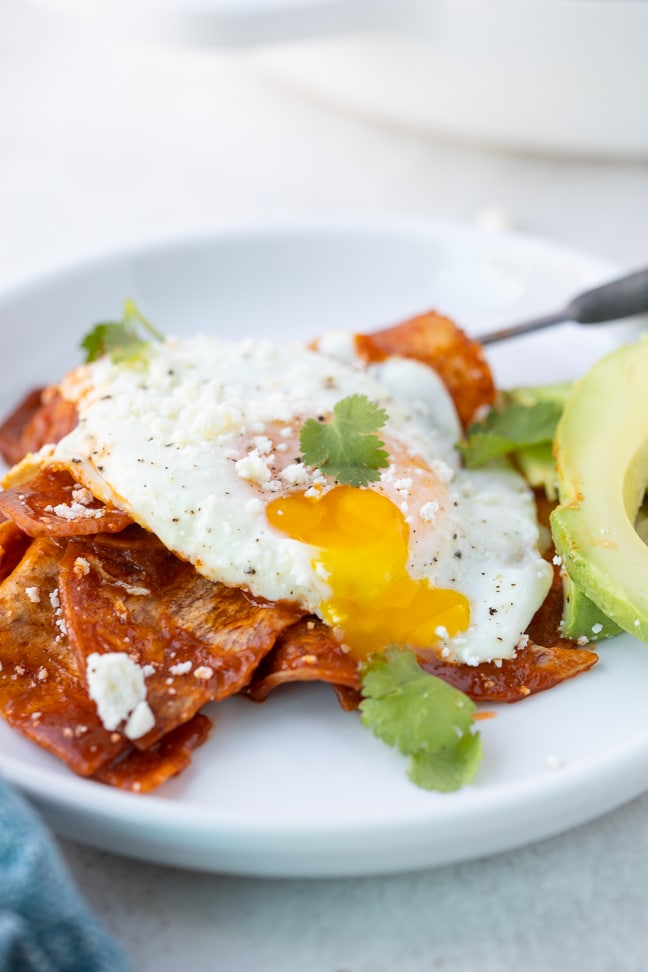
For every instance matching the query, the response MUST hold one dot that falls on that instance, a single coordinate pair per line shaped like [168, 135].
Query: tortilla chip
[306, 652]
[11, 430]
[42, 416]
[545, 661]
[47, 506]
[142, 772]
[439, 343]
[200, 641]
[348, 698]
[534, 669]
[13, 547]
[42, 693]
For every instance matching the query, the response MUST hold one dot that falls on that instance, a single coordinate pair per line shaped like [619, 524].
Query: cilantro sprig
[509, 429]
[522, 418]
[521, 425]
[347, 447]
[125, 340]
[423, 717]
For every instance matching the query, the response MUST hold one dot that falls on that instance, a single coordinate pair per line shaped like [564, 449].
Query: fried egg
[200, 445]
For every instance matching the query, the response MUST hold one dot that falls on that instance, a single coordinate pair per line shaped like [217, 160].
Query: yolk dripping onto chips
[363, 541]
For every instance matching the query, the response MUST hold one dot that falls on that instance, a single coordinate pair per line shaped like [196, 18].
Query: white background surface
[104, 144]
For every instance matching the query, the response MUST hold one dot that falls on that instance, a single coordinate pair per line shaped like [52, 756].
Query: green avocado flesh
[582, 618]
[601, 454]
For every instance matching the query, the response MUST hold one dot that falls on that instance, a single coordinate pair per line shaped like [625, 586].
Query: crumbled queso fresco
[117, 687]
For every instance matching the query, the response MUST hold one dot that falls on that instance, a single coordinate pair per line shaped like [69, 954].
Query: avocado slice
[581, 617]
[601, 454]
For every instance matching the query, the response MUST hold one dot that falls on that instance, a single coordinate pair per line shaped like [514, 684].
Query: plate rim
[239, 230]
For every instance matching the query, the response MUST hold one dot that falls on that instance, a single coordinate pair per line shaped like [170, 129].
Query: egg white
[197, 442]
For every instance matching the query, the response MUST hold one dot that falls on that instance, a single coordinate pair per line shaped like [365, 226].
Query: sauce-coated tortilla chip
[198, 640]
[547, 660]
[42, 693]
[534, 669]
[13, 427]
[143, 771]
[439, 343]
[13, 547]
[52, 504]
[306, 652]
[43, 416]
[349, 698]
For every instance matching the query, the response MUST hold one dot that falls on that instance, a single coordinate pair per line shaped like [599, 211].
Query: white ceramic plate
[296, 786]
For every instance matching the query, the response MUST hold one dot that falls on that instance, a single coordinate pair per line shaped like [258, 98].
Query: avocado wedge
[582, 618]
[601, 455]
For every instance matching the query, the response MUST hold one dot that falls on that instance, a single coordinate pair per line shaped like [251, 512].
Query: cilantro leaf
[123, 339]
[449, 768]
[423, 717]
[347, 447]
[509, 429]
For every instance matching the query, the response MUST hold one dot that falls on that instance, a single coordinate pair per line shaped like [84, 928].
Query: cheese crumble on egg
[201, 446]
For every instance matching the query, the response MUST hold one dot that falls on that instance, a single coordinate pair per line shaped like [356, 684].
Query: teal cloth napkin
[45, 926]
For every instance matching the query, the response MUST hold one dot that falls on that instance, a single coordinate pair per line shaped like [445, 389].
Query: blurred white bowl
[559, 76]
[556, 76]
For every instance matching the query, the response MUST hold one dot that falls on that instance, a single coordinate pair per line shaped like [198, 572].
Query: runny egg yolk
[363, 546]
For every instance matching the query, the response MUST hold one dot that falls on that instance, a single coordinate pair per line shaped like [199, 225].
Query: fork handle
[611, 302]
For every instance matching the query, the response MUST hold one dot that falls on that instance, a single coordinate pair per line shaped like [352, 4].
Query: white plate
[296, 786]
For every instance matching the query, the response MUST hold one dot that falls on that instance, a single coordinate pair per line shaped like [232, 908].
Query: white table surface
[102, 144]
